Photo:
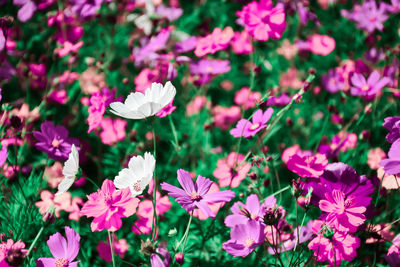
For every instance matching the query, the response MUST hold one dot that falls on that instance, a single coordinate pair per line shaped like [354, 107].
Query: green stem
[185, 235]
[171, 123]
[111, 247]
[278, 192]
[34, 241]
[155, 218]
[92, 182]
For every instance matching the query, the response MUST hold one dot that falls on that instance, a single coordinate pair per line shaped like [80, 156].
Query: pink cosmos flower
[216, 41]
[214, 207]
[379, 233]
[368, 88]
[50, 201]
[375, 155]
[108, 206]
[75, 209]
[196, 105]
[112, 130]
[196, 195]
[145, 78]
[167, 110]
[104, 250]
[288, 50]
[224, 117]
[91, 81]
[241, 43]
[68, 77]
[68, 48]
[7, 248]
[63, 250]
[306, 165]
[231, 170]
[58, 96]
[247, 99]
[262, 20]
[24, 114]
[97, 106]
[145, 212]
[244, 239]
[341, 246]
[290, 79]
[258, 122]
[345, 213]
[53, 174]
[321, 44]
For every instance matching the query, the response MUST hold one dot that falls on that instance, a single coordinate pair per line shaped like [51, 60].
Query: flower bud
[180, 258]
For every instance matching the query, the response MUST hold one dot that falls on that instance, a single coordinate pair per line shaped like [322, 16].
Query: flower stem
[185, 235]
[155, 219]
[34, 241]
[111, 247]
[176, 144]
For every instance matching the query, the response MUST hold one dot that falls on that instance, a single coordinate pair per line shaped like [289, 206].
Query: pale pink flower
[112, 130]
[224, 117]
[108, 206]
[75, 209]
[231, 170]
[91, 81]
[290, 79]
[388, 181]
[53, 174]
[321, 44]
[287, 50]
[9, 246]
[375, 155]
[382, 231]
[68, 48]
[196, 105]
[68, 77]
[247, 99]
[50, 201]
[241, 43]
[24, 114]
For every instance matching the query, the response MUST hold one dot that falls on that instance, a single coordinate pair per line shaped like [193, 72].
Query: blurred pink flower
[53, 174]
[68, 48]
[224, 117]
[290, 79]
[58, 96]
[216, 41]
[388, 181]
[287, 49]
[75, 209]
[8, 247]
[120, 248]
[112, 130]
[231, 170]
[50, 201]
[321, 44]
[91, 81]
[258, 122]
[24, 114]
[375, 155]
[145, 78]
[108, 206]
[241, 43]
[196, 105]
[247, 99]
[167, 110]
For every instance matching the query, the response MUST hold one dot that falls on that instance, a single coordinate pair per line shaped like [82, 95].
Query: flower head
[140, 106]
[63, 250]
[392, 164]
[138, 174]
[216, 41]
[368, 88]
[262, 20]
[12, 253]
[108, 206]
[54, 141]
[392, 124]
[244, 239]
[231, 170]
[258, 122]
[196, 195]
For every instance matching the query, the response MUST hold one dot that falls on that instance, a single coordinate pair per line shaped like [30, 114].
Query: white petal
[65, 184]
[71, 166]
[125, 179]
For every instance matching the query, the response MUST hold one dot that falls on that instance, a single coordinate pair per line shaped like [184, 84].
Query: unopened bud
[180, 258]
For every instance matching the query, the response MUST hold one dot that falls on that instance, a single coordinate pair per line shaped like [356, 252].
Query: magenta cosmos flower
[339, 247]
[244, 239]
[307, 165]
[196, 195]
[63, 251]
[367, 88]
[262, 20]
[108, 206]
[54, 141]
[258, 122]
[392, 164]
[216, 41]
[252, 211]
[231, 171]
[392, 124]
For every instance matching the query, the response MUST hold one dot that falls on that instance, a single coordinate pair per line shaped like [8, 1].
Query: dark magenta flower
[54, 141]
[392, 124]
[196, 195]
[258, 122]
[244, 238]
[392, 164]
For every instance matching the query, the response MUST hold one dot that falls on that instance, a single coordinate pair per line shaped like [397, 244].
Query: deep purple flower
[392, 124]
[244, 238]
[196, 195]
[157, 261]
[392, 164]
[279, 101]
[54, 141]
[367, 88]
[253, 210]
[258, 122]
[63, 250]
[85, 8]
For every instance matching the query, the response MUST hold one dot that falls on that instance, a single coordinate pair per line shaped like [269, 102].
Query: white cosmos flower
[139, 106]
[69, 171]
[138, 174]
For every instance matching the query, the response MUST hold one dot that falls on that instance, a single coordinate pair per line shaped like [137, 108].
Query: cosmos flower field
[199, 133]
